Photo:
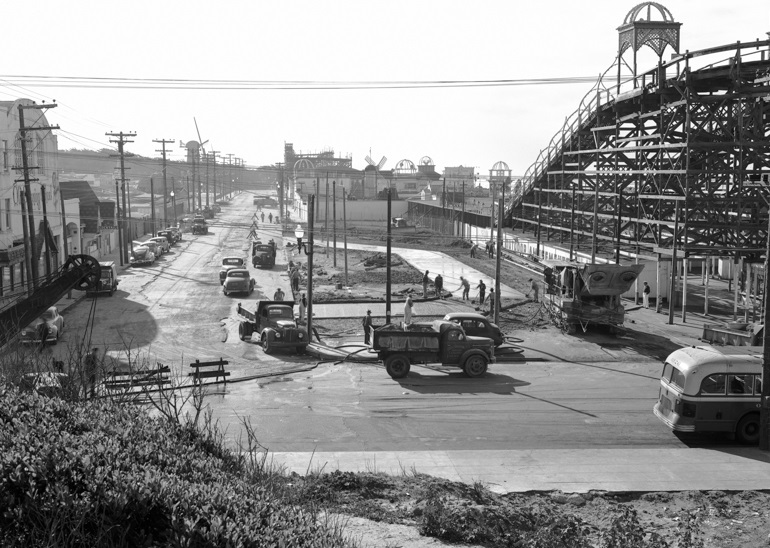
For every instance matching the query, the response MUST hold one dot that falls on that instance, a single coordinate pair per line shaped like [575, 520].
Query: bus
[707, 389]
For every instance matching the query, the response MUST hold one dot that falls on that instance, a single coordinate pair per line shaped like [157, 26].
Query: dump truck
[439, 341]
[274, 323]
[586, 294]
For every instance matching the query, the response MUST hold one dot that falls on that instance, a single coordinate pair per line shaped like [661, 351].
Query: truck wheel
[266, 346]
[475, 366]
[224, 290]
[301, 350]
[397, 366]
[244, 331]
[747, 431]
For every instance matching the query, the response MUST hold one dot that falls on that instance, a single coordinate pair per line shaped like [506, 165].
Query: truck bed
[398, 340]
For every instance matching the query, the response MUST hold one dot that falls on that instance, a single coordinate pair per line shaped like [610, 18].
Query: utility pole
[165, 187]
[345, 233]
[27, 246]
[387, 260]
[229, 173]
[29, 239]
[462, 223]
[214, 175]
[443, 208]
[122, 138]
[326, 216]
[152, 206]
[64, 234]
[310, 270]
[334, 221]
[119, 221]
[46, 236]
[499, 254]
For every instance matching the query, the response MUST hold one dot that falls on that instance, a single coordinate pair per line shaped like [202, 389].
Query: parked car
[238, 280]
[169, 235]
[177, 232]
[476, 325]
[228, 263]
[153, 247]
[45, 383]
[32, 333]
[142, 255]
[162, 242]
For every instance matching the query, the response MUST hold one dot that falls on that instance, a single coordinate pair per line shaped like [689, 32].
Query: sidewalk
[566, 470]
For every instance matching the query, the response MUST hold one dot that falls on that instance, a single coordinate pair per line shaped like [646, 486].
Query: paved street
[575, 416]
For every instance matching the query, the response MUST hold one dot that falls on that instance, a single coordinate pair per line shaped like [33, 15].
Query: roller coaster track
[675, 155]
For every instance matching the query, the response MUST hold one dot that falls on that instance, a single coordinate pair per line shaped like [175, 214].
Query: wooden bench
[218, 370]
[127, 380]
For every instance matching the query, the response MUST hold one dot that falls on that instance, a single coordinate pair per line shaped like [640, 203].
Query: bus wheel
[475, 366]
[397, 366]
[747, 430]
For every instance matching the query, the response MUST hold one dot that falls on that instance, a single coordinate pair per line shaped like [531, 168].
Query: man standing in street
[466, 287]
[473, 249]
[408, 312]
[482, 292]
[438, 283]
[533, 288]
[646, 295]
[425, 282]
[491, 248]
[491, 301]
[43, 331]
[278, 295]
[91, 364]
[367, 323]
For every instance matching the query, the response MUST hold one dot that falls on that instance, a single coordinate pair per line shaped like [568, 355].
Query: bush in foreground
[99, 474]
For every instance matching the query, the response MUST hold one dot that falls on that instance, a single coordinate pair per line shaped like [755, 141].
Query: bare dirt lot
[416, 511]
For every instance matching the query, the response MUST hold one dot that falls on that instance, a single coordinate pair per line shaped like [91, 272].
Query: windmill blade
[369, 160]
[201, 141]
[382, 162]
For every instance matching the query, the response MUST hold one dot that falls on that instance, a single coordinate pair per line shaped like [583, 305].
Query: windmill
[194, 149]
[202, 142]
[377, 168]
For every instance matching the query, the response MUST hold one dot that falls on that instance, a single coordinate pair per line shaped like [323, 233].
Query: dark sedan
[476, 325]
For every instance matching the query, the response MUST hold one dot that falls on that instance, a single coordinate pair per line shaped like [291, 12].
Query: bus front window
[677, 378]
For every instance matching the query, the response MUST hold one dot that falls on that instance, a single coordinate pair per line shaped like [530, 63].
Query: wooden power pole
[30, 247]
[165, 186]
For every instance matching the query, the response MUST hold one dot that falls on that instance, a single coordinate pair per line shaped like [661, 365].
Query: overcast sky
[334, 41]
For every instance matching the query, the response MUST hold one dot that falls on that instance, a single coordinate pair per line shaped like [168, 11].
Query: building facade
[43, 220]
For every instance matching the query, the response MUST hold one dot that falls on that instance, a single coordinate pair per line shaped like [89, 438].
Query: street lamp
[299, 233]
[173, 205]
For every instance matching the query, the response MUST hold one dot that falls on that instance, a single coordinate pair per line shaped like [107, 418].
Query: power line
[234, 85]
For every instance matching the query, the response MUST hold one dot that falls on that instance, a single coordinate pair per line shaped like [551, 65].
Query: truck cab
[108, 282]
[199, 225]
[263, 255]
[274, 322]
[440, 341]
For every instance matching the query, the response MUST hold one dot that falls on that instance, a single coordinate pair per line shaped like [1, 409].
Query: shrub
[95, 473]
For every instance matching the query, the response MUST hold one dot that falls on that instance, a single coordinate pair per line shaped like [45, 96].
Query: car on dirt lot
[228, 263]
[238, 280]
[163, 245]
[476, 325]
[32, 333]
